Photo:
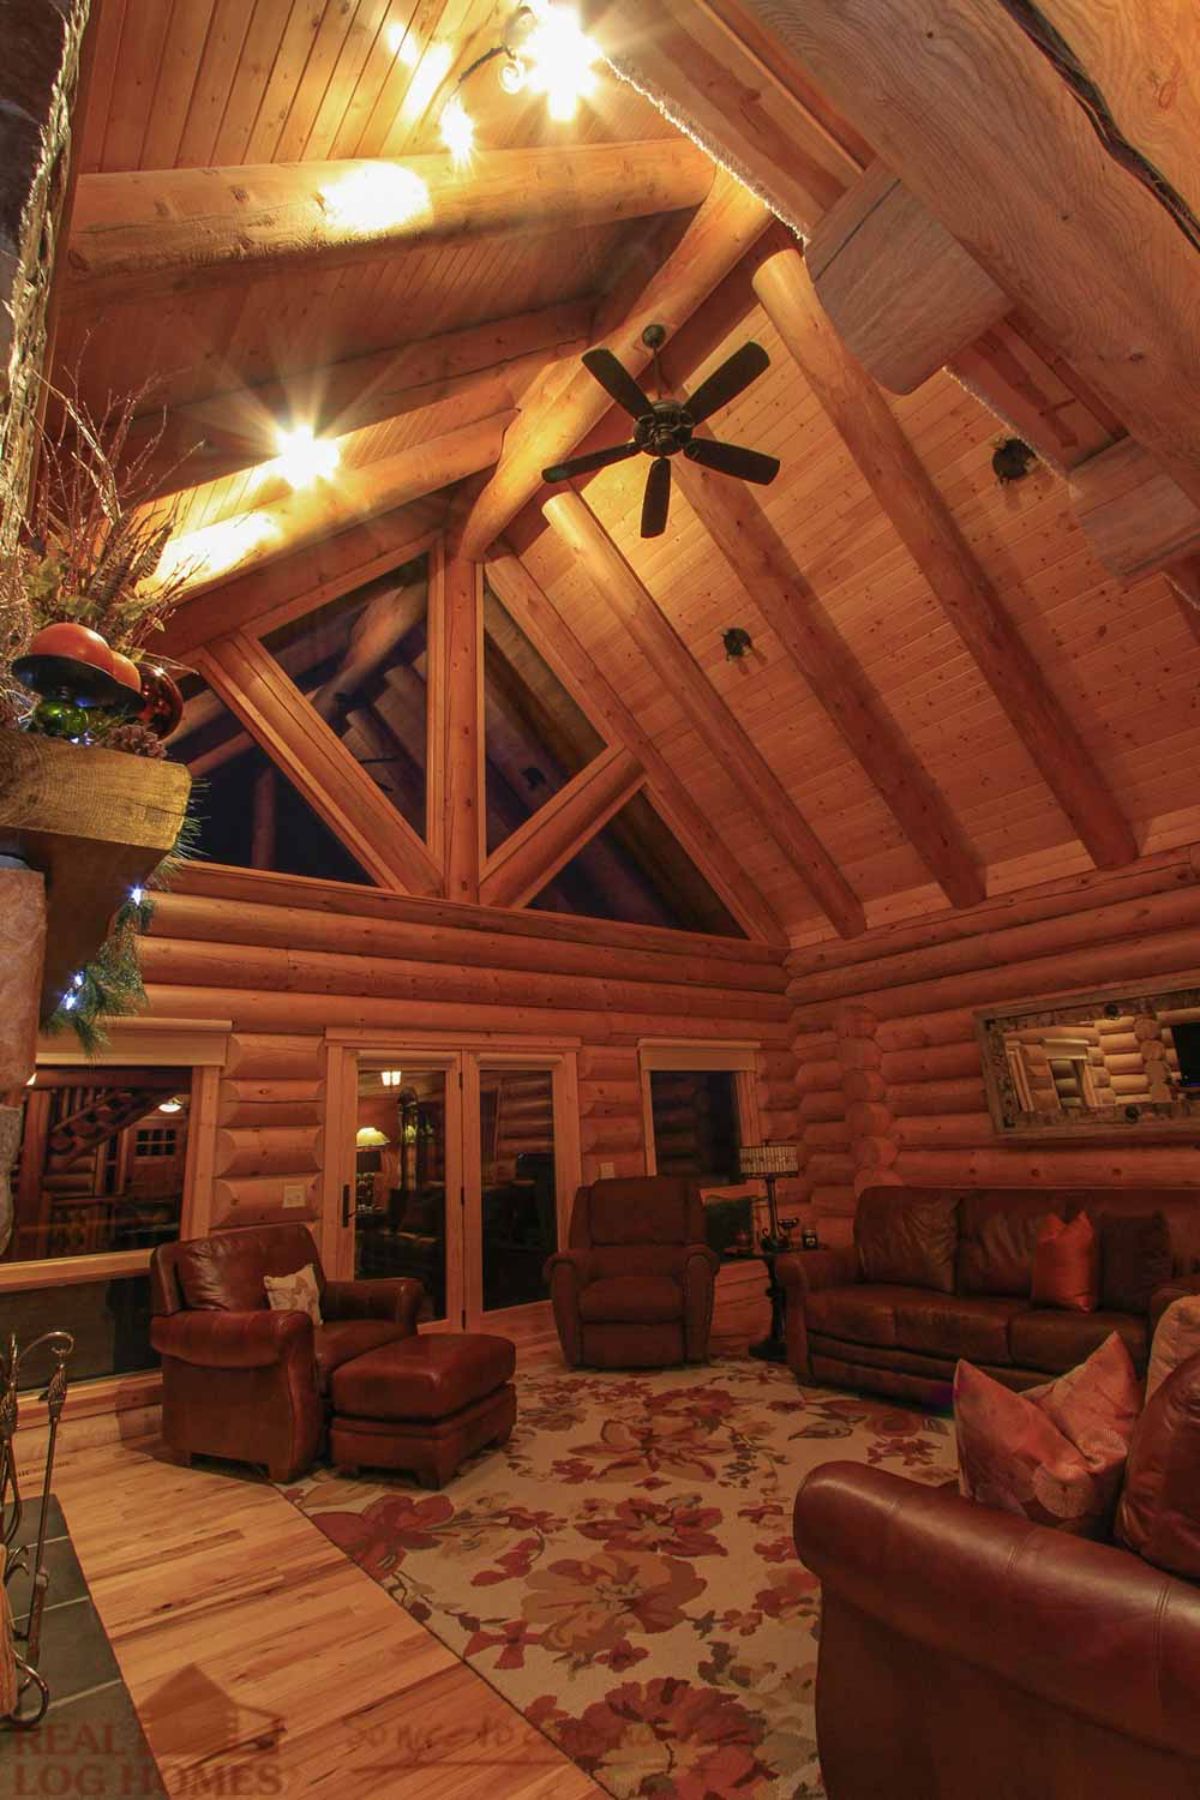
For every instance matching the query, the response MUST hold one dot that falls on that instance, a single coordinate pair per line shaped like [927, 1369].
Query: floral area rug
[623, 1572]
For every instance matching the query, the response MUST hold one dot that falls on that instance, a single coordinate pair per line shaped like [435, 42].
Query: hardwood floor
[262, 1662]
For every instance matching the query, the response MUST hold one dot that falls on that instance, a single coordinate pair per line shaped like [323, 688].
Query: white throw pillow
[1176, 1338]
[295, 1293]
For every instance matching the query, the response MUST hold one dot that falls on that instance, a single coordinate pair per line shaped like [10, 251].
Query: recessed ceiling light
[377, 197]
[304, 458]
[458, 130]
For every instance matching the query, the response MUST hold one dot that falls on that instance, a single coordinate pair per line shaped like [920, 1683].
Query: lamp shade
[769, 1159]
[369, 1137]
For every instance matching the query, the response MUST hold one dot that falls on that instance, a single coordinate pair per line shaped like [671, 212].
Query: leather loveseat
[967, 1654]
[935, 1274]
[635, 1287]
[244, 1382]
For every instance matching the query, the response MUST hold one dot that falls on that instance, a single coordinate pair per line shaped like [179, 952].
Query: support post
[456, 718]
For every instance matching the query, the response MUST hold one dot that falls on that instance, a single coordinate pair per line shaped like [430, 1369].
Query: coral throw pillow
[1055, 1454]
[295, 1293]
[1159, 1515]
[1176, 1338]
[1066, 1265]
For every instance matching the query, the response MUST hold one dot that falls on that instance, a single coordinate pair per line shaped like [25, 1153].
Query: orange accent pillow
[1055, 1454]
[1066, 1265]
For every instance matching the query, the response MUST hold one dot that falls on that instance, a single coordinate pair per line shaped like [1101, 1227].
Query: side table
[772, 1348]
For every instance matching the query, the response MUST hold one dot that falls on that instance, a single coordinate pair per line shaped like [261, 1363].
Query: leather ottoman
[423, 1404]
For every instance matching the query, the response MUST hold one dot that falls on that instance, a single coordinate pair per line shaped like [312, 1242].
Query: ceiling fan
[665, 428]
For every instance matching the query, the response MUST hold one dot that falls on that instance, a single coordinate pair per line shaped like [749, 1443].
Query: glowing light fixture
[431, 70]
[392, 1078]
[369, 1137]
[561, 58]
[215, 549]
[304, 459]
[377, 197]
[458, 130]
[171, 1106]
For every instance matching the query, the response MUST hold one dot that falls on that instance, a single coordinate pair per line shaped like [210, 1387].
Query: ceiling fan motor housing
[665, 430]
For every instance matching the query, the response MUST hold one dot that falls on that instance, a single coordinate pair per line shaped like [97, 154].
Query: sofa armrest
[804, 1271]
[572, 1265]
[1178, 1288]
[697, 1257]
[1081, 1625]
[396, 1299]
[232, 1340]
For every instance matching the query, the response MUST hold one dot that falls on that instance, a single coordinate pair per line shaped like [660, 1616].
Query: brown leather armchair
[635, 1288]
[241, 1381]
[966, 1652]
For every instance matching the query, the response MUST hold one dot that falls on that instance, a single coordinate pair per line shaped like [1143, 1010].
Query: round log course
[190, 963]
[830, 1167]
[244, 1114]
[867, 1119]
[837, 1201]
[928, 1031]
[865, 1084]
[608, 1065]
[598, 1136]
[861, 1053]
[454, 925]
[613, 1094]
[819, 1077]
[973, 1129]
[273, 1055]
[835, 1135]
[931, 1097]
[940, 1062]
[874, 1152]
[815, 1108]
[258, 1200]
[268, 1151]
[1137, 1165]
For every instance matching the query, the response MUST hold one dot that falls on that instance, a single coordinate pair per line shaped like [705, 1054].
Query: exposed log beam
[384, 620]
[763, 794]
[552, 636]
[564, 406]
[789, 144]
[455, 718]
[454, 379]
[1136, 518]
[899, 480]
[979, 124]
[761, 561]
[318, 764]
[902, 293]
[251, 539]
[547, 841]
[1184, 577]
[296, 584]
[145, 232]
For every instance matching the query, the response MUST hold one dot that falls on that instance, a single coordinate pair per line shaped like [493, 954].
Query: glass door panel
[518, 1226]
[406, 1158]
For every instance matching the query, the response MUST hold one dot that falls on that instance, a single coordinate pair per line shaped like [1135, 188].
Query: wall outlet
[295, 1193]
[607, 1171]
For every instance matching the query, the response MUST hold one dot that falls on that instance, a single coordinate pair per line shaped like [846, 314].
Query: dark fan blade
[617, 382]
[657, 500]
[743, 367]
[732, 459]
[583, 465]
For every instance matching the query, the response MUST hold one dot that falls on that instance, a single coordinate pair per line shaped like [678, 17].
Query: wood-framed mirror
[1097, 1065]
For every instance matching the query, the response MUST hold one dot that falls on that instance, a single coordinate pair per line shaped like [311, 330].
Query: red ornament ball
[126, 671]
[162, 702]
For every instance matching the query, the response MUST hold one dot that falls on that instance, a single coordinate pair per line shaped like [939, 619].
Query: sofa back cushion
[224, 1273]
[1159, 1514]
[1066, 1264]
[643, 1209]
[908, 1236]
[997, 1232]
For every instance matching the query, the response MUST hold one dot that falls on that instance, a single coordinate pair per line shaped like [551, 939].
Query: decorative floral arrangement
[81, 587]
[80, 603]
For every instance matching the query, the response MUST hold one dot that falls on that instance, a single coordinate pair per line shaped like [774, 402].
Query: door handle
[347, 1213]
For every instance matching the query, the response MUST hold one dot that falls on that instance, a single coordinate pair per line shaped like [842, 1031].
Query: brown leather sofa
[935, 1274]
[635, 1287]
[241, 1381]
[969, 1655]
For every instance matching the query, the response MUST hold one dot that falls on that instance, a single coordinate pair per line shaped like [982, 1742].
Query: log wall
[284, 959]
[889, 1075]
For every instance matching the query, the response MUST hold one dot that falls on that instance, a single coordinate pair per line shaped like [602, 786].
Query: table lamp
[767, 1162]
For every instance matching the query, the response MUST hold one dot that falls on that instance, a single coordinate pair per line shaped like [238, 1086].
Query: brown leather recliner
[635, 1288]
[244, 1382]
[967, 1653]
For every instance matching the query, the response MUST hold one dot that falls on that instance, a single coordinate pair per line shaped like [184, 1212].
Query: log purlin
[921, 1083]
[285, 973]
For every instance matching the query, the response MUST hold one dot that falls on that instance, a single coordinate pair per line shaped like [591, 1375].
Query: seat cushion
[908, 1236]
[997, 1232]
[425, 1377]
[631, 1300]
[954, 1325]
[1054, 1341]
[859, 1314]
[338, 1340]
[224, 1273]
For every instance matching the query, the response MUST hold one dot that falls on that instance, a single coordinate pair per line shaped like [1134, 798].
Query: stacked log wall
[286, 959]
[890, 1075]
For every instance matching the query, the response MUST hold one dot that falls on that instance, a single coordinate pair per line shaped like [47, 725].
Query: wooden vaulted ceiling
[948, 693]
